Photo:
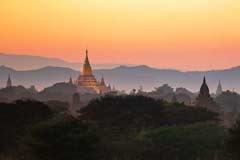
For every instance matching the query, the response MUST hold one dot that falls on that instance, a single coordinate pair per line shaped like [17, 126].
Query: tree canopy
[15, 117]
[142, 112]
[62, 139]
[186, 142]
[233, 141]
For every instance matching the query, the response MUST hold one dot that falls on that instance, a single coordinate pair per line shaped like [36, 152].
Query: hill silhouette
[126, 77]
[34, 62]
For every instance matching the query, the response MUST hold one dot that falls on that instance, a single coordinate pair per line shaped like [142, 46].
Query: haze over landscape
[43, 72]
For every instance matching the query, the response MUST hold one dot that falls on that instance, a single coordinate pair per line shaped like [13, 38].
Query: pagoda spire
[204, 90]
[204, 80]
[102, 81]
[86, 58]
[87, 70]
[204, 98]
[87, 54]
[9, 81]
[219, 89]
[70, 80]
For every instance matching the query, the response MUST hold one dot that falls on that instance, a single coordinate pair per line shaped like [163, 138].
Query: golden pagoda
[87, 69]
[86, 82]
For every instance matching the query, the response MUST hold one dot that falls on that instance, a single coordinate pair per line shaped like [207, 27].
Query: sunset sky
[179, 34]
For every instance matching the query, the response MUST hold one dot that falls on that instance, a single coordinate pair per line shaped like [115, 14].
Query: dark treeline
[16, 117]
[142, 112]
[115, 127]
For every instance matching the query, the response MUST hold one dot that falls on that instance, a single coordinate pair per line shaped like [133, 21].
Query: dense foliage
[114, 128]
[15, 117]
[233, 141]
[57, 106]
[120, 119]
[187, 142]
[142, 112]
[62, 139]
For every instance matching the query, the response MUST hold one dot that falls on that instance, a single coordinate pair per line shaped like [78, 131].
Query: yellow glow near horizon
[152, 32]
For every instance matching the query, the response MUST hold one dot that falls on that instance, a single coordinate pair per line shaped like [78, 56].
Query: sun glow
[125, 31]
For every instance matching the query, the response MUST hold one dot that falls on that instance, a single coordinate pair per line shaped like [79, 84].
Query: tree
[62, 139]
[188, 142]
[15, 119]
[233, 141]
[137, 112]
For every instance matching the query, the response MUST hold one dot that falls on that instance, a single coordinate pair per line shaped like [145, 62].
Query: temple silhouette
[9, 81]
[204, 98]
[87, 83]
[219, 89]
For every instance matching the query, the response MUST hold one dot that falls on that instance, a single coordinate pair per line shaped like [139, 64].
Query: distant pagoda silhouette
[204, 98]
[9, 81]
[70, 80]
[219, 89]
[86, 82]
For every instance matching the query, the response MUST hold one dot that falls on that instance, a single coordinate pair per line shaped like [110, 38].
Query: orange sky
[181, 34]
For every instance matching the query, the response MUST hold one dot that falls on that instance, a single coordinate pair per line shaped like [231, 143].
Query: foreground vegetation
[115, 128]
[186, 142]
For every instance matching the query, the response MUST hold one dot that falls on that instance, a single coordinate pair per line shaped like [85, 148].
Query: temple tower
[70, 81]
[205, 100]
[87, 83]
[204, 90]
[9, 81]
[102, 82]
[87, 69]
[219, 89]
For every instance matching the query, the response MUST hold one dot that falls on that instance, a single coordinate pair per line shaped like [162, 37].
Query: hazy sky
[181, 34]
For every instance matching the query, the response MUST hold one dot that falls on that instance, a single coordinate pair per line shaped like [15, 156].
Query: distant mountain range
[125, 77]
[35, 62]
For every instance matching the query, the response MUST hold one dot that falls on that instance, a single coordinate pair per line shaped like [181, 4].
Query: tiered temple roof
[87, 83]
